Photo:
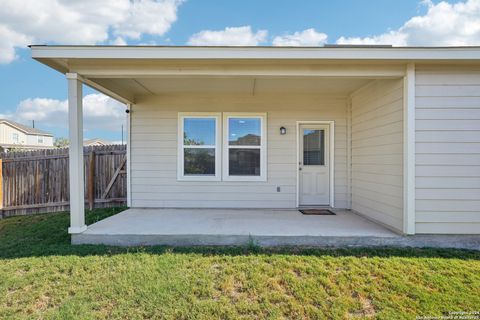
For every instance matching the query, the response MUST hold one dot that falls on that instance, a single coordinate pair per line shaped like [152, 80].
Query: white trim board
[129, 155]
[349, 153]
[409, 150]
[331, 125]
[268, 53]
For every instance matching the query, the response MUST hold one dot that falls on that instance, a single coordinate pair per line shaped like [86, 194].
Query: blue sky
[362, 18]
[202, 131]
[33, 91]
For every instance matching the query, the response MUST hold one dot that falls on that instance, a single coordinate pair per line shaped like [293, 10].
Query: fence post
[37, 182]
[91, 181]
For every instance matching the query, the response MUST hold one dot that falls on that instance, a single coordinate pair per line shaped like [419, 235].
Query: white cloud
[118, 41]
[394, 38]
[308, 37]
[100, 112]
[10, 39]
[146, 16]
[444, 24]
[80, 22]
[230, 36]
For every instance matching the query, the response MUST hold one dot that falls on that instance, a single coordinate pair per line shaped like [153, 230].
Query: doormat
[317, 212]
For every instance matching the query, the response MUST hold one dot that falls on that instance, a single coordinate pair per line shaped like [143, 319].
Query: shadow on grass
[46, 235]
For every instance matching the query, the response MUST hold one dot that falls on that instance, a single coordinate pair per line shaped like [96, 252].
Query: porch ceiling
[239, 85]
[127, 80]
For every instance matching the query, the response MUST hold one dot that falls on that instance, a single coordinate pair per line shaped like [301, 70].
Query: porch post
[75, 152]
[409, 150]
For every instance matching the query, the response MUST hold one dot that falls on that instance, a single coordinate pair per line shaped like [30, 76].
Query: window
[313, 147]
[15, 137]
[244, 147]
[199, 140]
[40, 140]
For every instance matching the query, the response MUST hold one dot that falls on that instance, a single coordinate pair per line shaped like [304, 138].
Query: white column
[75, 126]
[409, 150]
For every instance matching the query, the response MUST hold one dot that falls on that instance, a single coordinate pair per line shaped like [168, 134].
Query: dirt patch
[42, 303]
[368, 309]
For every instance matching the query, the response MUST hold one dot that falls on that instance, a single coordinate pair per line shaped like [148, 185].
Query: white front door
[313, 166]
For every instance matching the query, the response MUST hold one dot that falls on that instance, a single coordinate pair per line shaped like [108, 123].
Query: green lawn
[43, 276]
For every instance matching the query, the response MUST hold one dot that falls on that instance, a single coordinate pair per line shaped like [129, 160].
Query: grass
[43, 276]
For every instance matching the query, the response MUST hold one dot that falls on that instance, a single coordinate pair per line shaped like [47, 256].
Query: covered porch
[366, 106]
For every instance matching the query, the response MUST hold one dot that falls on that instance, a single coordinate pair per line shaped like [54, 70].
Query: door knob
[300, 169]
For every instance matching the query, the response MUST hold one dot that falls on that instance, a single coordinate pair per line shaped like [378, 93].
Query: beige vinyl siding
[154, 150]
[7, 135]
[447, 149]
[32, 140]
[8, 132]
[377, 152]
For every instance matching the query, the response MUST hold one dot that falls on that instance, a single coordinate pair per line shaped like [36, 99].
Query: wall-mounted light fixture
[283, 130]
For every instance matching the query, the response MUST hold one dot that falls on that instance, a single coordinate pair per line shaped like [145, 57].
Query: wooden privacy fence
[37, 181]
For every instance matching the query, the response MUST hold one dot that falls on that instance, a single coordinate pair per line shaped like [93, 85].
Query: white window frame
[180, 147]
[15, 137]
[263, 146]
[39, 139]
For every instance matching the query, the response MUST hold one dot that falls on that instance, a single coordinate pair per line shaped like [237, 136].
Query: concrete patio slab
[266, 227]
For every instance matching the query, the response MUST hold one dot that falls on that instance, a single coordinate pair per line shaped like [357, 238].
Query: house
[390, 133]
[96, 142]
[14, 135]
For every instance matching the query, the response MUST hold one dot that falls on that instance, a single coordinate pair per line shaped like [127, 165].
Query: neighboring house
[95, 142]
[391, 133]
[14, 135]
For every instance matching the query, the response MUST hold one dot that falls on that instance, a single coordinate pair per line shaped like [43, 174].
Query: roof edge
[256, 53]
[21, 127]
[327, 46]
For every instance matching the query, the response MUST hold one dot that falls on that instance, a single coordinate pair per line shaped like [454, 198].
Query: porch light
[283, 130]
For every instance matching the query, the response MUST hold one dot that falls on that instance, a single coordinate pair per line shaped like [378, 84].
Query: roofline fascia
[257, 53]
